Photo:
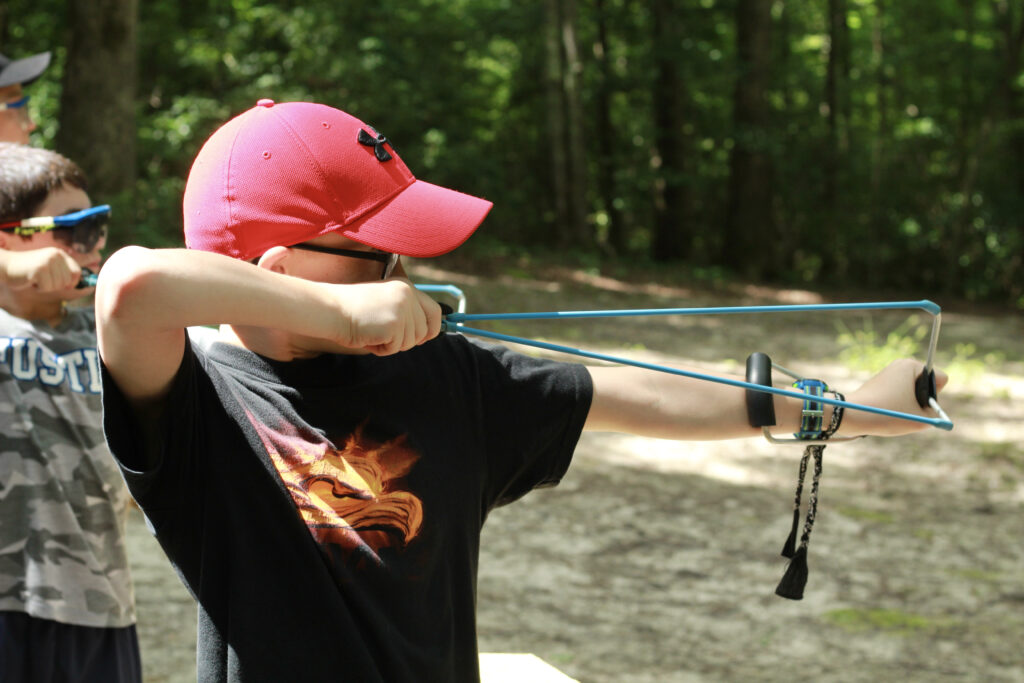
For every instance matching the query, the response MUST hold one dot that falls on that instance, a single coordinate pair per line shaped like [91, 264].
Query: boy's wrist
[813, 419]
[789, 413]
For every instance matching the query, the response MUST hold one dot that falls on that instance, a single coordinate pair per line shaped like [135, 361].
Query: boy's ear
[275, 259]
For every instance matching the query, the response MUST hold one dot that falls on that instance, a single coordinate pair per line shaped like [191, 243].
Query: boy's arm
[146, 298]
[48, 269]
[667, 406]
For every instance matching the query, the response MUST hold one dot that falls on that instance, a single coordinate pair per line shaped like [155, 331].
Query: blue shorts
[44, 651]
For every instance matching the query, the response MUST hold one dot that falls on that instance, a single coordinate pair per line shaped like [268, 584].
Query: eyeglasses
[81, 230]
[16, 104]
[389, 260]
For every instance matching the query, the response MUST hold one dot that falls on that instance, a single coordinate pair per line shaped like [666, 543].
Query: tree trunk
[671, 239]
[1013, 109]
[835, 254]
[555, 95]
[97, 109]
[787, 229]
[749, 229]
[617, 239]
[877, 224]
[578, 229]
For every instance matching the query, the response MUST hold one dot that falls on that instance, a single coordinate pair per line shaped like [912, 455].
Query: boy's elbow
[123, 284]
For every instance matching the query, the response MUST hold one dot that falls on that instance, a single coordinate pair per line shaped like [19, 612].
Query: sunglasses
[16, 104]
[389, 260]
[81, 230]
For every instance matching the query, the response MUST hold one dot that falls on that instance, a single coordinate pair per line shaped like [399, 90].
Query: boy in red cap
[319, 479]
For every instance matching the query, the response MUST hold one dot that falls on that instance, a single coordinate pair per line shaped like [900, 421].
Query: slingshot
[759, 368]
[925, 387]
[89, 279]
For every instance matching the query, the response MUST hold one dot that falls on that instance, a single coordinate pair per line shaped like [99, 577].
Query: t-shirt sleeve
[143, 472]
[532, 417]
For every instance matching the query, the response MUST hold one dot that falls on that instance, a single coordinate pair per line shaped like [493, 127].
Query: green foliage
[871, 350]
[928, 133]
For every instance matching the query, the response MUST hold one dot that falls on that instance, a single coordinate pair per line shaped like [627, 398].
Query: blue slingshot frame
[455, 322]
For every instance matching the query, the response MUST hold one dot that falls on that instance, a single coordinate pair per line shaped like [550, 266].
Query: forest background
[650, 154]
[873, 144]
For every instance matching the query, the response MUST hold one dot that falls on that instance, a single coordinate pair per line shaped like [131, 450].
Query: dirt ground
[657, 561]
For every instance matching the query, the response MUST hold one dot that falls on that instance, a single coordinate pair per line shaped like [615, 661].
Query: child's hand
[47, 270]
[893, 389]
[387, 317]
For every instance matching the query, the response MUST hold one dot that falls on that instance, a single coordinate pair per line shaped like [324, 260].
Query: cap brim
[24, 71]
[421, 221]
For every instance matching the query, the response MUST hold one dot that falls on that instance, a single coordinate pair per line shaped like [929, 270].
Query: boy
[66, 602]
[320, 493]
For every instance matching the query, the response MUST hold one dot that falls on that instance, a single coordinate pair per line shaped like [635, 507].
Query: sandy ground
[657, 561]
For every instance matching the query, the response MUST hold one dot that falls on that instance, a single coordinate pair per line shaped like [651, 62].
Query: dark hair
[28, 175]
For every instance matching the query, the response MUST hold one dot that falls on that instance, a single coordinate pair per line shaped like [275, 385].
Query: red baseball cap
[280, 174]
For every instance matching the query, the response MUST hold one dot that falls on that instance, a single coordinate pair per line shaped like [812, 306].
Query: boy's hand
[48, 270]
[893, 389]
[387, 317]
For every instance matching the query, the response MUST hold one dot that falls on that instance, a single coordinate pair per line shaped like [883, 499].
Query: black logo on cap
[377, 142]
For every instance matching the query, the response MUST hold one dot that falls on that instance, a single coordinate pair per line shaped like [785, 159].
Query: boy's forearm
[665, 406]
[671, 407]
[170, 289]
[146, 298]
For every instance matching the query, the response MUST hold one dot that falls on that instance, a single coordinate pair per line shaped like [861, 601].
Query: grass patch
[1001, 452]
[977, 575]
[860, 514]
[855, 620]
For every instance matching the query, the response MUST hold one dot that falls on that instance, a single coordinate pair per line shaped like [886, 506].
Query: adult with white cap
[15, 121]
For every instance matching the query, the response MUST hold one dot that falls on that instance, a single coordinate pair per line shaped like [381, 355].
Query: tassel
[792, 584]
[789, 549]
[795, 579]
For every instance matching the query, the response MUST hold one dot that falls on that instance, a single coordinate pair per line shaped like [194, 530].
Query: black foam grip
[924, 388]
[446, 310]
[760, 405]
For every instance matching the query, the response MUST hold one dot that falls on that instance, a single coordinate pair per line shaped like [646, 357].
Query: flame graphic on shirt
[352, 496]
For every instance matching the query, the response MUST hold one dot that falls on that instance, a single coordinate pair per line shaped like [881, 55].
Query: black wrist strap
[760, 405]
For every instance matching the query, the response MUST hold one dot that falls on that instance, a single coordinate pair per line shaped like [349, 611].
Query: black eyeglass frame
[389, 259]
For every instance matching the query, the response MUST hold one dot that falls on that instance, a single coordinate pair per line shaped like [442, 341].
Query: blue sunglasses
[81, 230]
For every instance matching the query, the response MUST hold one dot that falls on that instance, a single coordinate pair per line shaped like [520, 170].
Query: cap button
[265, 103]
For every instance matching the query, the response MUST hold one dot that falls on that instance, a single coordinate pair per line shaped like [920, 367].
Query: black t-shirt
[326, 513]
